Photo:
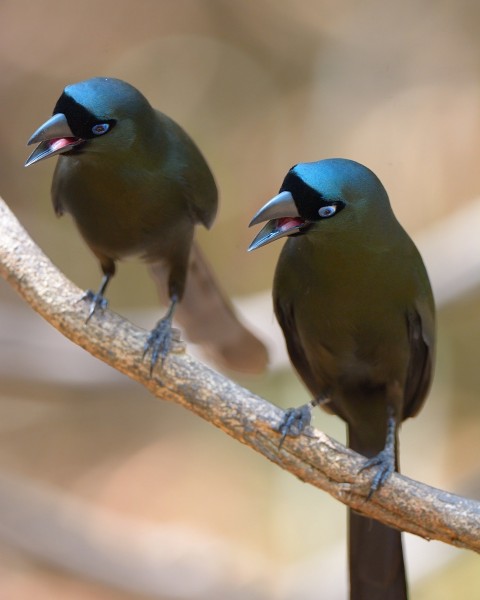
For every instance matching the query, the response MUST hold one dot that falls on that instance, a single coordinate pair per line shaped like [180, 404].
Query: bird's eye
[327, 211]
[100, 128]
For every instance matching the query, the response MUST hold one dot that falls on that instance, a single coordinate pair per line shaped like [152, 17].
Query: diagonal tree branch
[314, 458]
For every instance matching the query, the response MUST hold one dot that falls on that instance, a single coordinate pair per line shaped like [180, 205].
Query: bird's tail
[209, 319]
[377, 570]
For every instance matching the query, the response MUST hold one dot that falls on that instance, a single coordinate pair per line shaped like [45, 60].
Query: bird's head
[316, 195]
[95, 114]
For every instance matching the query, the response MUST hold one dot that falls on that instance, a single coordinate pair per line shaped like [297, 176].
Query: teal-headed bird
[137, 185]
[354, 301]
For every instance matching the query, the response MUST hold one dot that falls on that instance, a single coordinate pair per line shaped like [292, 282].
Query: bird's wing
[191, 170]
[285, 314]
[420, 367]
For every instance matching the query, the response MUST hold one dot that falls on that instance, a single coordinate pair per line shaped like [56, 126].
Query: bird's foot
[159, 342]
[385, 461]
[97, 301]
[295, 421]
[162, 340]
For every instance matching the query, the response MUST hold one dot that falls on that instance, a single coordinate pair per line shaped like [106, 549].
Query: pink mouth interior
[286, 223]
[59, 143]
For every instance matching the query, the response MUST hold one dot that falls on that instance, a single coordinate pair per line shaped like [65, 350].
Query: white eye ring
[327, 211]
[100, 128]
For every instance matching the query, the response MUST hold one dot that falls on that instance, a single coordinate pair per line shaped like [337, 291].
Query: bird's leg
[296, 420]
[384, 460]
[160, 339]
[97, 300]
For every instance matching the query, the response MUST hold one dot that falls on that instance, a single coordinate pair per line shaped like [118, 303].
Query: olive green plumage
[354, 301]
[137, 185]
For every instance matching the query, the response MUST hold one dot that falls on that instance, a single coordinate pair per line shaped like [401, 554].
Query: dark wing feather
[420, 366]
[285, 314]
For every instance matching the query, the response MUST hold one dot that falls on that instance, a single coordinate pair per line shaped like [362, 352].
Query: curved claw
[97, 302]
[295, 421]
[159, 342]
[385, 461]
[160, 339]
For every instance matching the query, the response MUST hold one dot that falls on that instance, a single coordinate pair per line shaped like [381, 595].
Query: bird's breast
[122, 212]
[347, 312]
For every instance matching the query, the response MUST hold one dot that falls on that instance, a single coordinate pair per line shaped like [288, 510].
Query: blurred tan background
[106, 493]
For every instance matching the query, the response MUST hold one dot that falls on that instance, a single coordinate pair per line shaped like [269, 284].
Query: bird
[353, 298]
[137, 185]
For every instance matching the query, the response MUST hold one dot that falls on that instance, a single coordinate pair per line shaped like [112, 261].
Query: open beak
[53, 137]
[283, 219]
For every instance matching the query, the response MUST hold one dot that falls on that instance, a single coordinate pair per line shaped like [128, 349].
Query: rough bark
[314, 458]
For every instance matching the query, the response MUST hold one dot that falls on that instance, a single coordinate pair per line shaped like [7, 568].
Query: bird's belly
[123, 224]
[113, 238]
[117, 242]
[353, 367]
[351, 340]
[360, 350]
